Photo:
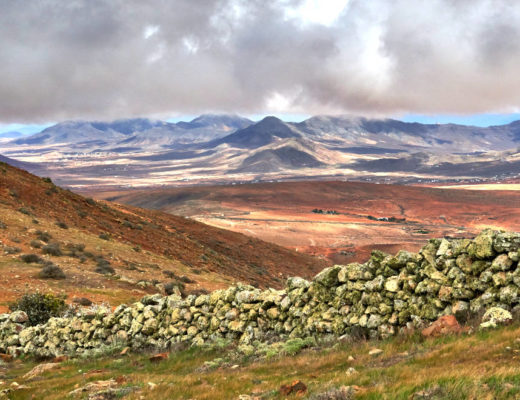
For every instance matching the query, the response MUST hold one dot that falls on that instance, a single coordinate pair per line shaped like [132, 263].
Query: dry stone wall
[379, 298]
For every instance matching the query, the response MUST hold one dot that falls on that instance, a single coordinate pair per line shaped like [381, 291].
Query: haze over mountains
[214, 148]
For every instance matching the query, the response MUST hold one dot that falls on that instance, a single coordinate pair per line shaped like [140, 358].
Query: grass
[481, 366]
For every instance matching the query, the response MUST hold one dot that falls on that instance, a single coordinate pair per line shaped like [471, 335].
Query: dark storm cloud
[114, 58]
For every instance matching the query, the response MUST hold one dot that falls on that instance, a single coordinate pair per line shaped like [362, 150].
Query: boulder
[445, 325]
[482, 245]
[328, 277]
[495, 316]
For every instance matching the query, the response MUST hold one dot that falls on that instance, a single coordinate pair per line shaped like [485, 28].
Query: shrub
[104, 267]
[169, 288]
[30, 258]
[185, 279]
[82, 301]
[3, 225]
[82, 214]
[47, 179]
[62, 225]
[43, 236]
[91, 201]
[51, 272]
[36, 244]
[24, 210]
[39, 307]
[75, 250]
[104, 236]
[52, 249]
[12, 250]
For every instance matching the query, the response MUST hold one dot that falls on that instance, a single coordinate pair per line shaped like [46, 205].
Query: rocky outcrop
[380, 297]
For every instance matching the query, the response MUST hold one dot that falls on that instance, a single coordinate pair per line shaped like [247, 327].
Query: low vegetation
[478, 366]
[39, 307]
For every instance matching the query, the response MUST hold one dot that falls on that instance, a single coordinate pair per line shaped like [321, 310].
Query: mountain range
[219, 147]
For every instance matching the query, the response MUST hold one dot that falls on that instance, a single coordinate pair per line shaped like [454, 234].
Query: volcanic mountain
[224, 148]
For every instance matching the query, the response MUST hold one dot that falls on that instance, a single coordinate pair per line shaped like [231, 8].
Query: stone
[296, 387]
[328, 277]
[482, 245]
[247, 296]
[501, 263]
[494, 317]
[40, 369]
[297, 283]
[375, 352]
[19, 317]
[445, 325]
[392, 284]
[159, 357]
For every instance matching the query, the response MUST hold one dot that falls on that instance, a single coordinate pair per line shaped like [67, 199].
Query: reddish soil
[282, 213]
[211, 255]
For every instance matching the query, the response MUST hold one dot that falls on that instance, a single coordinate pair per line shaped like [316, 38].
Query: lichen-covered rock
[392, 284]
[19, 317]
[482, 245]
[495, 316]
[506, 242]
[328, 277]
[501, 263]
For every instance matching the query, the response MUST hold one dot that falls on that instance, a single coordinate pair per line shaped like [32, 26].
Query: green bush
[25, 210]
[62, 225]
[104, 236]
[31, 258]
[52, 249]
[104, 267]
[39, 307]
[51, 271]
[43, 236]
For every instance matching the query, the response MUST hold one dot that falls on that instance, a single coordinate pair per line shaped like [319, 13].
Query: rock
[296, 387]
[375, 352]
[297, 283]
[351, 371]
[40, 369]
[159, 357]
[19, 317]
[495, 316]
[430, 393]
[392, 284]
[328, 277]
[125, 351]
[501, 263]
[247, 296]
[482, 245]
[95, 387]
[445, 325]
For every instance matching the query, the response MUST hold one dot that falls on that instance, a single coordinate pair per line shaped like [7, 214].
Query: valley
[349, 219]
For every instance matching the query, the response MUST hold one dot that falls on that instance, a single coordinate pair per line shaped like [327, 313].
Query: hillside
[427, 325]
[146, 248]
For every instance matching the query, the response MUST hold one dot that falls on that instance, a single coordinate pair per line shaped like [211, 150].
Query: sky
[431, 61]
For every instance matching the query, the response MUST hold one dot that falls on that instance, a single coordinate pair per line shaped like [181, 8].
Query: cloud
[117, 58]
